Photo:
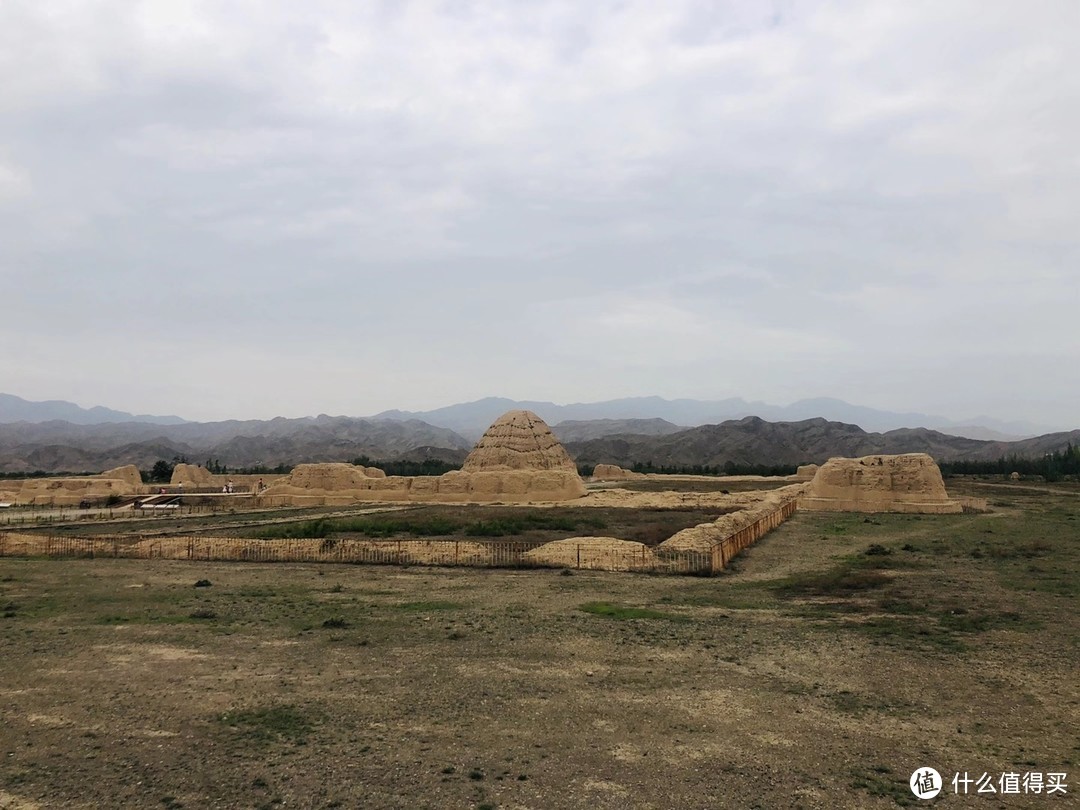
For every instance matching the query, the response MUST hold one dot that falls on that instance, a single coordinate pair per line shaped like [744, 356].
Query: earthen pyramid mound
[910, 482]
[519, 440]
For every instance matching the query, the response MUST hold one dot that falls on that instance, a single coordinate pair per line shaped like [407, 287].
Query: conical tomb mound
[519, 440]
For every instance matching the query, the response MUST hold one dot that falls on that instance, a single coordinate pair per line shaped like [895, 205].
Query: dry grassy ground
[839, 654]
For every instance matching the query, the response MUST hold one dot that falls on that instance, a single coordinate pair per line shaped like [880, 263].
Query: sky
[238, 209]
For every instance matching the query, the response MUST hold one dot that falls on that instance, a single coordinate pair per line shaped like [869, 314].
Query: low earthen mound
[518, 440]
[129, 474]
[906, 483]
[518, 460]
[600, 553]
[330, 477]
[191, 475]
[806, 472]
[613, 472]
[72, 491]
[704, 536]
[314, 484]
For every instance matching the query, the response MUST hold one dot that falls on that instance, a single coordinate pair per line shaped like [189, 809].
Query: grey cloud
[428, 182]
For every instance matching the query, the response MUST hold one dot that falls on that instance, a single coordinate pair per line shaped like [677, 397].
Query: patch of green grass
[271, 723]
[908, 633]
[622, 612]
[431, 526]
[842, 581]
[965, 622]
[369, 527]
[859, 704]
[502, 526]
[147, 618]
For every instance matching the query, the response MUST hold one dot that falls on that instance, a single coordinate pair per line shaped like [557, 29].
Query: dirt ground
[834, 658]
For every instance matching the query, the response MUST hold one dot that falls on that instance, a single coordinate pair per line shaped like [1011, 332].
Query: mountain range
[17, 409]
[754, 441]
[62, 446]
[470, 419]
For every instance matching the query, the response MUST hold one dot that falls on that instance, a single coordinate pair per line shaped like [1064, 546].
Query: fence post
[579, 555]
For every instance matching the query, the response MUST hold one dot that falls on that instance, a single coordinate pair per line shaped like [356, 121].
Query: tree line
[429, 466]
[727, 468]
[1056, 466]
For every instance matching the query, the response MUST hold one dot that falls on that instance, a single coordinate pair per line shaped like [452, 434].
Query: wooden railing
[486, 554]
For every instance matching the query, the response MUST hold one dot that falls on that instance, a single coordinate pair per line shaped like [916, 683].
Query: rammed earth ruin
[906, 483]
[519, 460]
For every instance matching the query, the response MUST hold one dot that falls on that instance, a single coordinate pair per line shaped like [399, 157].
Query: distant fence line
[30, 515]
[726, 549]
[487, 554]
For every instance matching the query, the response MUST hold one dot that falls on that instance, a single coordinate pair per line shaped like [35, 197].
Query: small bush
[202, 613]
[203, 583]
[335, 624]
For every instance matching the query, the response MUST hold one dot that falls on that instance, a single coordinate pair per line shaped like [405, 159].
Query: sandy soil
[839, 654]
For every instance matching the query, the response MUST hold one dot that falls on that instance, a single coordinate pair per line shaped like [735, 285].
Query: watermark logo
[925, 783]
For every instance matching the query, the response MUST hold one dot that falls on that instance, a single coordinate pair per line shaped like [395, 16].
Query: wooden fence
[726, 549]
[479, 554]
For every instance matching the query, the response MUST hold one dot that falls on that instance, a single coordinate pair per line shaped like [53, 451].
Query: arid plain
[830, 660]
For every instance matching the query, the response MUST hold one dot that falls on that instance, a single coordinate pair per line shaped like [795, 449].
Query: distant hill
[471, 419]
[754, 441]
[581, 430]
[62, 446]
[17, 409]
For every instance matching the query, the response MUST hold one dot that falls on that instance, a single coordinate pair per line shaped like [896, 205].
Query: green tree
[161, 472]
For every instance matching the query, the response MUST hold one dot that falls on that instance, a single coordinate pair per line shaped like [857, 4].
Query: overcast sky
[246, 209]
